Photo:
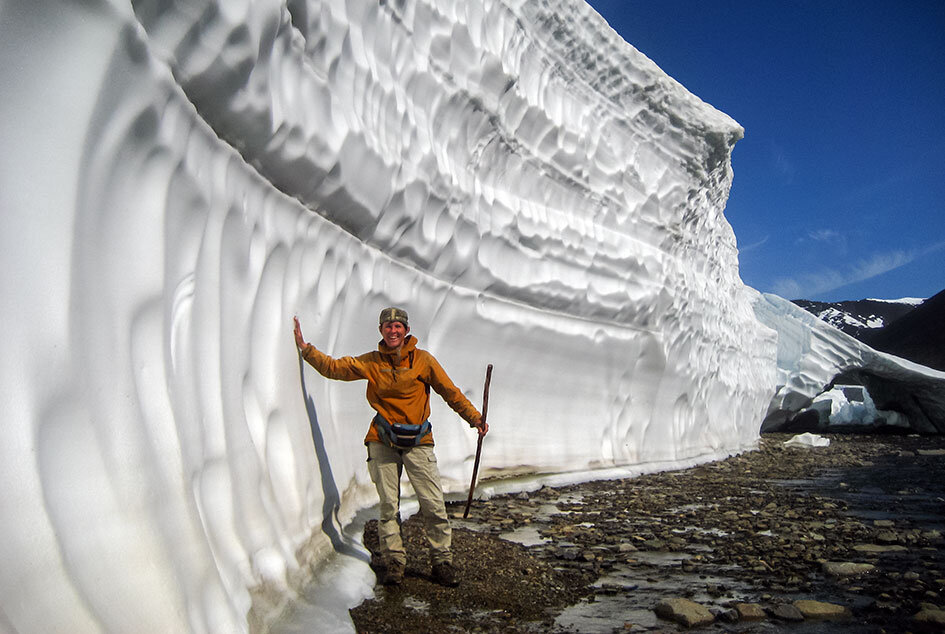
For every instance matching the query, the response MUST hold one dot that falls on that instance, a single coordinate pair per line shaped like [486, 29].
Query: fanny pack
[401, 435]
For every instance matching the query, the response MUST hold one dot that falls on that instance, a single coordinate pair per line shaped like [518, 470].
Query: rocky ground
[835, 539]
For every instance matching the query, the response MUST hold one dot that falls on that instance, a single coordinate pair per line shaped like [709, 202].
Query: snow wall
[179, 179]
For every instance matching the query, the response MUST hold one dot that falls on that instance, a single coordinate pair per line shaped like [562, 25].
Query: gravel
[856, 527]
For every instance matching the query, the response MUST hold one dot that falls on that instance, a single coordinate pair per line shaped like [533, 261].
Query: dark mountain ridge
[918, 336]
[858, 317]
[913, 332]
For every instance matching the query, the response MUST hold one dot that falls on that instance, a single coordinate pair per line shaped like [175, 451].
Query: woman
[399, 376]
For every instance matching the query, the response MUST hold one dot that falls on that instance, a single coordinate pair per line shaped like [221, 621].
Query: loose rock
[847, 568]
[764, 528]
[820, 610]
[750, 611]
[684, 612]
[931, 620]
[877, 548]
[787, 612]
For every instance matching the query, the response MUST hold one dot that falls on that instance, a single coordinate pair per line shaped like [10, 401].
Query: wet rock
[725, 615]
[930, 620]
[847, 568]
[684, 612]
[787, 612]
[887, 537]
[750, 612]
[819, 610]
[875, 549]
[714, 590]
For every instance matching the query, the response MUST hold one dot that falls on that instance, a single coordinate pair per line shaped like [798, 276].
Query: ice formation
[180, 178]
[807, 439]
[813, 356]
[846, 405]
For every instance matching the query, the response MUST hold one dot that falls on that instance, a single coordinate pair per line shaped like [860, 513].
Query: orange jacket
[398, 390]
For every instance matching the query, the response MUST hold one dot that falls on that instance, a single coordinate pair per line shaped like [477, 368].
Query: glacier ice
[179, 178]
[814, 356]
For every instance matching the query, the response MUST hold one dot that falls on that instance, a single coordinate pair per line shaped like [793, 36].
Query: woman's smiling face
[394, 333]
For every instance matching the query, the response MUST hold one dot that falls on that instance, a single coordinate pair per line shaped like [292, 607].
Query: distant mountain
[919, 335]
[859, 318]
[913, 329]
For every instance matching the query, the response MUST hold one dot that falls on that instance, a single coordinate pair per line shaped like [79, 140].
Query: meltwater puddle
[526, 536]
[625, 596]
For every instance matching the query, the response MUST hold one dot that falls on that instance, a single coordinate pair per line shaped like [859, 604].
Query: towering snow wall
[180, 178]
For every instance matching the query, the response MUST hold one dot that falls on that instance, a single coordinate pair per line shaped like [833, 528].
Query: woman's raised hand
[299, 341]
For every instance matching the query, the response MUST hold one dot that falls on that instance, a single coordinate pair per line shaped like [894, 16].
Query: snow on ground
[180, 179]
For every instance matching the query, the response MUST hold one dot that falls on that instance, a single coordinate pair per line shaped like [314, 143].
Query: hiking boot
[445, 575]
[394, 575]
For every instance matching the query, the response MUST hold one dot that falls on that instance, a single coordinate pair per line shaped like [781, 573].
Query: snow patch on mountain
[912, 301]
[835, 316]
[858, 318]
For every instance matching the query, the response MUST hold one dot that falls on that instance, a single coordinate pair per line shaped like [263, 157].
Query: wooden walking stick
[485, 410]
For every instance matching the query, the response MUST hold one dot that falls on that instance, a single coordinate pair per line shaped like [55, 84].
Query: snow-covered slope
[860, 318]
[179, 179]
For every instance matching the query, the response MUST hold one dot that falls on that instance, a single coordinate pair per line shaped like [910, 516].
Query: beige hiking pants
[385, 465]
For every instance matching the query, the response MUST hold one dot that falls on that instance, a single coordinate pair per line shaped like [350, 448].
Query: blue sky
[839, 188]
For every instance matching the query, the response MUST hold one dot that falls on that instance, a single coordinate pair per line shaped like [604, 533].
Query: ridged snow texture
[180, 178]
